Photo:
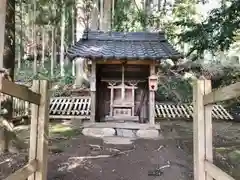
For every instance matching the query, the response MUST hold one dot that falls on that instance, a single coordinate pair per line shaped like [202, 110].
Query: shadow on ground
[77, 157]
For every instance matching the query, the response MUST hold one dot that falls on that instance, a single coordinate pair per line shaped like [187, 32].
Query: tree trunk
[8, 64]
[73, 13]
[21, 37]
[53, 51]
[2, 29]
[43, 46]
[3, 140]
[34, 38]
[62, 38]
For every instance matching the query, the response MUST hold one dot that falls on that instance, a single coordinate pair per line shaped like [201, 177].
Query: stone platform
[122, 125]
[124, 130]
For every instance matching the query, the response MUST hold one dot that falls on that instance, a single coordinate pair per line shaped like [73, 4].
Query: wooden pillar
[39, 131]
[152, 98]
[133, 100]
[111, 100]
[202, 129]
[34, 128]
[43, 120]
[198, 130]
[208, 127]
[93, 91]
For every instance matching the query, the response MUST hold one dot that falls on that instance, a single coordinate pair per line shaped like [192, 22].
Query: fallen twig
[5, 161]
[95, 146]
[124, 152]
[165, 166]
[160, 147]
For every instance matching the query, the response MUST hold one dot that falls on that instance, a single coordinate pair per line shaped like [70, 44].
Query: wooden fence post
[198, 130]
[202, 129]
[43, 120]
[34, 128]
[39, 130]
[208, 127]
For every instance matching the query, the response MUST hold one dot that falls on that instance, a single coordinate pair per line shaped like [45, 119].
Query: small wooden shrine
[123, 72]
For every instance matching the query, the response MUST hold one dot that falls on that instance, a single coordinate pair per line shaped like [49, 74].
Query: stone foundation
[124, 133]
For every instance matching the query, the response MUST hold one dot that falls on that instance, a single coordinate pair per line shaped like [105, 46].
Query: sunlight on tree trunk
[73, 33]
[43, 45]
[112, 14]
[53, 53]
[21, 37]
[94, 16]
[101, 14]
[81, 74]
[2, 29]
[34, 38]
[3, 140]
[105, 14]
[8, 64]
[62, 38]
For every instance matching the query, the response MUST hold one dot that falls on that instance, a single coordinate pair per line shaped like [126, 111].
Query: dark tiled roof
[120, 45]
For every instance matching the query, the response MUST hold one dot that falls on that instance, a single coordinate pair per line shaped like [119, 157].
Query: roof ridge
[123, 36]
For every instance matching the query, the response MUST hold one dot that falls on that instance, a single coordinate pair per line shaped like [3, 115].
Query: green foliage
[127, 17]
[216, 33]
[26, 76]
[231, 76]
[168, 90]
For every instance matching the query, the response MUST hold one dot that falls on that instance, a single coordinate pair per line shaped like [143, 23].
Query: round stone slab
[98, 132]
[148, 134]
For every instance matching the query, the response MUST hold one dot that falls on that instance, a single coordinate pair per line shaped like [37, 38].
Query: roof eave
[173, 57]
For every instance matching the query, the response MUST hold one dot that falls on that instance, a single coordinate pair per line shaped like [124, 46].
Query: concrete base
[126, 133]
[123, 125]
[99, 132]
[122, 118]
[118, 140]
[147, 134]
[120, 135]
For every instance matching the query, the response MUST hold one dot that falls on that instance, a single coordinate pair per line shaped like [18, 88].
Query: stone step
[123, 125]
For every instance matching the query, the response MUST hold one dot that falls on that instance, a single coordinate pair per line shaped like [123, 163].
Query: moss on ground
[234, 156]
[64, 131]
[231, 163]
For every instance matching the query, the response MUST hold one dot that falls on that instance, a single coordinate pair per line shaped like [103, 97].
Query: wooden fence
[79, 107]
[203, 100]
[36, 169]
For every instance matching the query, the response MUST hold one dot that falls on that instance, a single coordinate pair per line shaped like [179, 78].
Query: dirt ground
[73, 156]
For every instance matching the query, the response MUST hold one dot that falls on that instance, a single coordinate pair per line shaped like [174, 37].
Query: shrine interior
[122, 92]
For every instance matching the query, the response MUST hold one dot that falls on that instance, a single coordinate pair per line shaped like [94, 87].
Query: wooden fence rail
[78, 107]
[38, 96]
[203, 100]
